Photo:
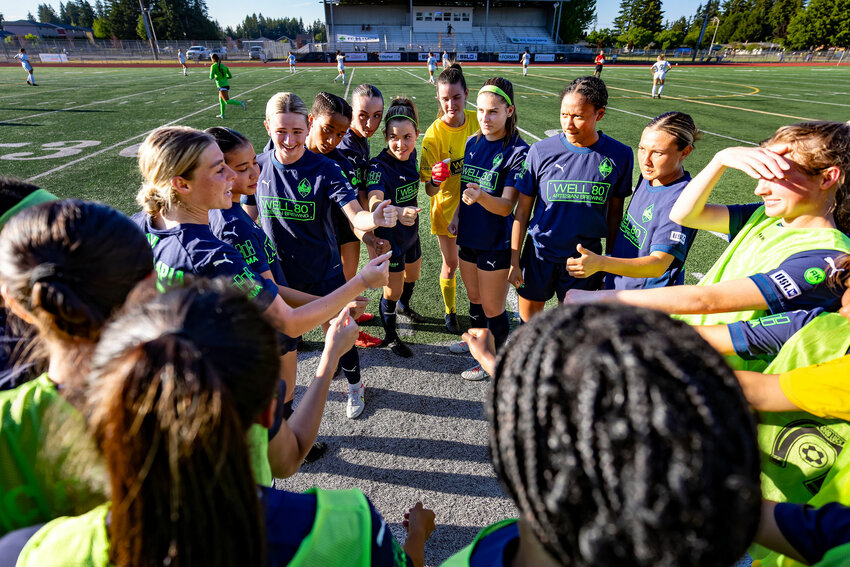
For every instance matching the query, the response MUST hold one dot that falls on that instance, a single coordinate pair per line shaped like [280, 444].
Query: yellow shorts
[443, 207]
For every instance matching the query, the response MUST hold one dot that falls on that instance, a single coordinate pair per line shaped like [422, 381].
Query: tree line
[791, 23]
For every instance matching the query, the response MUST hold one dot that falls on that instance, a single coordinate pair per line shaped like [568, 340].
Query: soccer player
[291, 62]
[25, 63]
[526, 59]
[600, 62]
[393, 174]
[181, 58]
[781, 249]
[440, 169]
[65, 267]
[650, 249]
[623, 439]
[446, 61]
[340, 67]
[432, 68]
[295, 192]
[575, 182]
[220, 74]
[177, 382]
[659, 71]
[491, 163]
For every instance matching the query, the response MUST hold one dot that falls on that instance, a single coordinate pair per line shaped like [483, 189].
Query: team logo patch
[814, 275]
[786, 285]
[606, 167]
[304, 188]
[497, 161]
[677, 236]
[647, 213]
[813, 455]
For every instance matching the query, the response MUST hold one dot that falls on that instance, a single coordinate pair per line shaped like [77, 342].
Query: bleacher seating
[395, 38]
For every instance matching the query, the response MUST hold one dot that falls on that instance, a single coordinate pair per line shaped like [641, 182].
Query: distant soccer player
[659, 71]
[182, 59]
[432, 67]
[446, 61]
[25, 63]
[526, 59]
[600, 62]
[340, 66]
[220, 74]
[291, 62]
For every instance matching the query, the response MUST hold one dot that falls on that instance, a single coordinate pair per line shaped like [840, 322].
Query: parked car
[220, 51]
[197, 52]
[256, 52]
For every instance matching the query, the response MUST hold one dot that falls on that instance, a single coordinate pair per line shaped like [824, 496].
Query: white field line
[121, 143]
[348, 86]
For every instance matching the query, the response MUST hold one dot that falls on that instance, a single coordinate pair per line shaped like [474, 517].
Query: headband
[402, 116]
[36, 197]
[498, 91]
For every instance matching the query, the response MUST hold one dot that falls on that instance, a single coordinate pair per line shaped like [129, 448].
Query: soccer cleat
[405, 310]
[459, 347]
[243, 106]
[316, 452]
[219, 116]
[474, 374]
[365, 318]
[356, 402]
[365, 340]
[451, 323]
[398, 347]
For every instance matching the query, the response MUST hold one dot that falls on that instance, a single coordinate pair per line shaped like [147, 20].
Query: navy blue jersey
[399, 182]
[647, 228]
[233, 226]
[739, 215]
[813, 531]
[290, 517]
[763, 337]
[356, 150]
[497, 548]
[294, 204]
[193, 249]
[572, 187]
[493, 167]
[787, 287]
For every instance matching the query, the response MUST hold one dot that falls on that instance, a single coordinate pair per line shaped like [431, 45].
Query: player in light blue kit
[432, 68]
[181, 58]
[650, 249]
[25, 63]
[291, 62]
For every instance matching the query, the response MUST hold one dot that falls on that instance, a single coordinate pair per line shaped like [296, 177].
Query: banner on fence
[544, 57]
[357, 38]
[508, 56]
[466, 57]
[424, 56]
[389, 56]
[356, 56]
[53, 57]
[531, 40]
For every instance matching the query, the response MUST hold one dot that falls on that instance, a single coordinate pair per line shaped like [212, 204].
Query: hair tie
[402, 116]
[43, 272]
[498, 91]
[36, 197]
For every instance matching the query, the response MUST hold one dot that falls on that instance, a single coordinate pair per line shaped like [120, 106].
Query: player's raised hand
[408, 215]
[759, 163]
[377, 272]
[385, 214]
[342, 333]
[441, 171]
[419, 519]
[471, 193]
[587, 264]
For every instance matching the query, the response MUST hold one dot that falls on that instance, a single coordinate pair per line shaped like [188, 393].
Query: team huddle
[163, 408]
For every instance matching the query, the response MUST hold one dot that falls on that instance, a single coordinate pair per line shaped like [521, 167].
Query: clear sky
[229, 13]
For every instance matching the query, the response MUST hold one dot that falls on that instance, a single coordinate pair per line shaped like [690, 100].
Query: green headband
[402, 116]
[36, 197]
[498, 91]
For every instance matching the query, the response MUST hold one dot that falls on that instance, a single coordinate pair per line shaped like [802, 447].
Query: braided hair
[624, 439]
[327, 103]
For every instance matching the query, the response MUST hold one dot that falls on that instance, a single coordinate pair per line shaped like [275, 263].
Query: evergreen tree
[623, 21]
[781, 14]
[647, 14]
[813, 26]
[841, 35]
[47, 15]
[575, 20]
[122, 17]
[63, 14]
[98, 9]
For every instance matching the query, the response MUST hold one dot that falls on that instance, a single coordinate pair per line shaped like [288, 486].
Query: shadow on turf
[58, 110]
[409, 447]
[19, 124]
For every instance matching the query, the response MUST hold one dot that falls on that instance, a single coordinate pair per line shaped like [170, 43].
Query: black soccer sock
[477, 318]
[407, 293]
[287, 409]
[350, 363]
[499, 326]
[388, 318]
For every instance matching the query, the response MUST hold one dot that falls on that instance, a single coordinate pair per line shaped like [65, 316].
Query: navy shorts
[486, 260]
[323, 287]
[342, 227]
[543, 278]
[286, 344]
[413, 253]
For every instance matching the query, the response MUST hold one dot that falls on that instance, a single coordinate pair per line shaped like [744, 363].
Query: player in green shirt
[220, 74]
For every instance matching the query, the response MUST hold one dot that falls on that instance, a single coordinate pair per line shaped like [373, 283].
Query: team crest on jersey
[304, 188]
[814, 275]
[647, 213]
[606, 167]
[522, 170]
[497, 161]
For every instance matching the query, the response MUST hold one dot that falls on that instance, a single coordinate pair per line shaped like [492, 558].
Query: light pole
[716, 22]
